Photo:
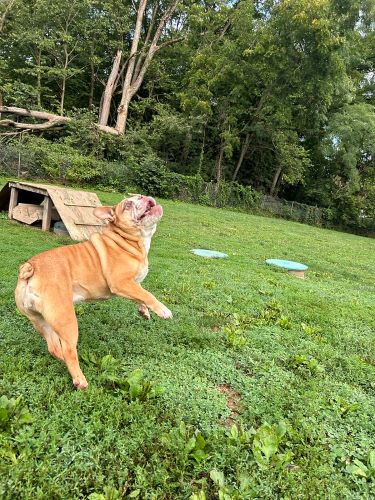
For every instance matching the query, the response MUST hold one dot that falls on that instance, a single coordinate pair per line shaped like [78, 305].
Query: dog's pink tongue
[156, 210]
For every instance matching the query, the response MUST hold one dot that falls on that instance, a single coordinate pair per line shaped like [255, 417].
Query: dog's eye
[128, 204]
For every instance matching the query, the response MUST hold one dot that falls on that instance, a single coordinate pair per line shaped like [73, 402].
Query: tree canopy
[275, 94]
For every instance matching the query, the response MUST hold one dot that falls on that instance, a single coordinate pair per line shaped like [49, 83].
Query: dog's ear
[105, 213]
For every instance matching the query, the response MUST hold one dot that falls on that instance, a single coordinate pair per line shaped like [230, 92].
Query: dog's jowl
[113, 262]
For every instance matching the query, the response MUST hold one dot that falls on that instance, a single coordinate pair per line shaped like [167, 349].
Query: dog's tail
[26, 271]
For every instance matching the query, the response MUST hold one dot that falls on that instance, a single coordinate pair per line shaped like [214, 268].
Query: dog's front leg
[134, 291]
[144, 312]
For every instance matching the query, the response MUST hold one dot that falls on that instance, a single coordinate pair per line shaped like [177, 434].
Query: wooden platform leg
[297, 274]
[13, 201]
[46, 221]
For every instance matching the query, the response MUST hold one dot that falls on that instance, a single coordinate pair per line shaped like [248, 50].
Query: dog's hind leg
[27, 302]
[64, 325]
[51, 337]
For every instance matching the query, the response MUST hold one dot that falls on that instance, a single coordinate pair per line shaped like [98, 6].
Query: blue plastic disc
[287, 264]
[209, 253]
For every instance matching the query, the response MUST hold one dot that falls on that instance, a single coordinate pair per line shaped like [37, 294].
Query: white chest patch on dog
[78, 298]
[142, 275]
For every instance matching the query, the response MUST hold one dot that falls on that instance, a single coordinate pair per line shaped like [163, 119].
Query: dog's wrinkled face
[143, 210]
[138, 211]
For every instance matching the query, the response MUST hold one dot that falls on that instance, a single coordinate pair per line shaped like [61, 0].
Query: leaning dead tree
[126, 77]
[136, 64]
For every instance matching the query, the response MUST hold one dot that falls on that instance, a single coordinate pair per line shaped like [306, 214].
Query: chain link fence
[293, 210]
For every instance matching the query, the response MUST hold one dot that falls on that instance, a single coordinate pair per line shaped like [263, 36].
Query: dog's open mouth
[151, 208]
[148, 207]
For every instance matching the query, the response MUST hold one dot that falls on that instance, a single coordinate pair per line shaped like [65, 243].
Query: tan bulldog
[113, 262]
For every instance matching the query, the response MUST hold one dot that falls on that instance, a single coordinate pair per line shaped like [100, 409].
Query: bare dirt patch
[215, 328]
[233, 398]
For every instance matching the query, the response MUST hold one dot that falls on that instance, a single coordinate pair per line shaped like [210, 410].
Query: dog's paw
[164, 312]
[80, 383]
[144, 312]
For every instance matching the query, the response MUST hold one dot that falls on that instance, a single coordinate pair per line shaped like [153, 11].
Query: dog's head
[137, 212]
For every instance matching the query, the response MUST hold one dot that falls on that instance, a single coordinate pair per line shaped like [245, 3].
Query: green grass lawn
[269, 380]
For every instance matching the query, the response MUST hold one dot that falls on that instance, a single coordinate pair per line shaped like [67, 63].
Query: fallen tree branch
[42, 115]
[32, 126]
[52, 121]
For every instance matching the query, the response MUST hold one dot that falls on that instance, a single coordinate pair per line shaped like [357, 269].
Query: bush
[152, 177]
[39, 158]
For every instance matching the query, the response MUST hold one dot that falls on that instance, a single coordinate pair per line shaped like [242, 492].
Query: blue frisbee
[211, 254]
[287, 264]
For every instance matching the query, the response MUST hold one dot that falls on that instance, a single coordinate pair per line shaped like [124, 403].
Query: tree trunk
[2, 24]
[219, 167]
[248, 137]
[38, 60]
[147, 39]
[133, 81]
[92, 85]
[186, 147]
[52, 120]
[201, 155]
[244, 149]
[122, 112]
[276, 181]
[109, 90]
[63, 85]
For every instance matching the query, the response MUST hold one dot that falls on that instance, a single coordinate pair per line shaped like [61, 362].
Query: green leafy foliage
[109, 493]
[188, 444]
[268, 443]
[241, 490]
[240, 324]
[133, 386]
[235, 332]
[13, 414]
[14, 443]
[366, 470]
[305, 365]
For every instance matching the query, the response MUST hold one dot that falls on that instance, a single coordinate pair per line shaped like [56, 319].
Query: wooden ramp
[42, 203]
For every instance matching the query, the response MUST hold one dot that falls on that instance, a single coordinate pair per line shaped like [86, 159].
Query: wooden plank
[85, 215]
[70, 215]
[12, 201]
[47, 212]
[28, 187]
[30, 207]
[27, 213]
[87, 231]
[99, 224]
[79, 205]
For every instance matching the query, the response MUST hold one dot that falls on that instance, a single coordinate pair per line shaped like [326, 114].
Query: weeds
[361, 469]
[187, 444]
[226, 491]
[133, 386]
[13, 416]
[305, 366]
[241, 324]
